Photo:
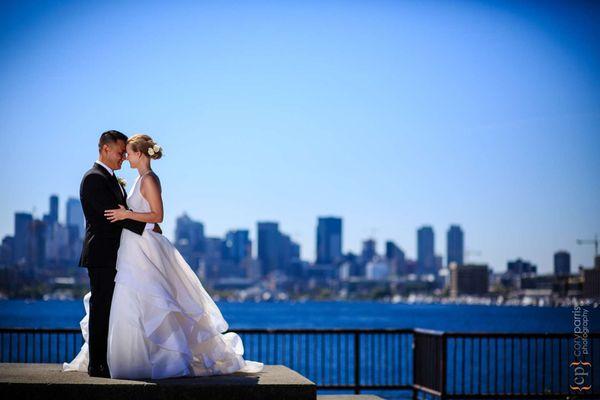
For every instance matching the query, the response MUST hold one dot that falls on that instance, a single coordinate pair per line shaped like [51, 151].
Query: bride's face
[133, 156]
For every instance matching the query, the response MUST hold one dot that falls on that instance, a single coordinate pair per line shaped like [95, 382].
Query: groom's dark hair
[111, 137]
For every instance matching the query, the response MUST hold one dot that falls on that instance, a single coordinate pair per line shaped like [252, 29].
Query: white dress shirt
[110, 171]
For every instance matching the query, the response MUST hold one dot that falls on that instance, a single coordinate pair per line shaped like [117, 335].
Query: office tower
[425, 251]
[56, 246]
[395, 256]
[189, 239]
[329, 240]
[237, 245]
[22, 238]
[391, 250]
[53, 213]
[36, 251]
[75, 217]
[562, 263]
[469, 279]
[211, 260]
[439, 263]
[189, 233]
[268, 246]
[400, 267]
[285, 252]
[369, 250]
[6, 250]
[456, 245]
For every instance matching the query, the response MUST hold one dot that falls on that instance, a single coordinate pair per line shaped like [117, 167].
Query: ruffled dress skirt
[163, 323]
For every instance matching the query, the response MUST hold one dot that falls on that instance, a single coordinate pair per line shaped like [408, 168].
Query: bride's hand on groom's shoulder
[116, 214]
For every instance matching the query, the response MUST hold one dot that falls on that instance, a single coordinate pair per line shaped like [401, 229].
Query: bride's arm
[150, 188]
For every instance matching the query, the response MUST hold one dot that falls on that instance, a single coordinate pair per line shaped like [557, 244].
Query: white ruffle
[163, 323]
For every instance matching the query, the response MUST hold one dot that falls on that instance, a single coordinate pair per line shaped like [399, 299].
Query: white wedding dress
[162, 323]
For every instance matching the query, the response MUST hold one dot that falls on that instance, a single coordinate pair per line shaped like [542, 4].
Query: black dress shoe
[100, 371]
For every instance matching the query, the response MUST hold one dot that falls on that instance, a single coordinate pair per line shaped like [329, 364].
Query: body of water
[312, 314]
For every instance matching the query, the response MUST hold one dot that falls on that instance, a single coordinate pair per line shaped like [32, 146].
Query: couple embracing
[147, 314]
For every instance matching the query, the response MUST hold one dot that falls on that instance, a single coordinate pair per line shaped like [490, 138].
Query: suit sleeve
[100, 199]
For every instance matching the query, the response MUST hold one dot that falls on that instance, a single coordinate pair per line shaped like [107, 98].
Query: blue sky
[390, 114]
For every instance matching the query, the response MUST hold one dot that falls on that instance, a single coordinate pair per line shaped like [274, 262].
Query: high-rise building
[285, 251]
[56, 250]
[329, 240]
[390, 250]
[189, 233]
[395, 257]
[237, 245]
[268, 246]
[425, 251]
[6, 250]
[562, 263]
[456, 245]
[75, 217]
[211, 260]
[189, 239]
[22, 238]
[53, 213]
[36, 251]
[369, 250]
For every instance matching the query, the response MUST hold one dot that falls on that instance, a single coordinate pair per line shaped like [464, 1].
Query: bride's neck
[142, 169]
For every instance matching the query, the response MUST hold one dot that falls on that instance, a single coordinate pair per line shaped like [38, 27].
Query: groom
[99, 191]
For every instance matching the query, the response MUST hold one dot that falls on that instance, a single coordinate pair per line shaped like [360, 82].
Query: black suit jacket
[99, 191]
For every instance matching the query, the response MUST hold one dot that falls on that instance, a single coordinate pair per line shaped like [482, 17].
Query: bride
[162, 321]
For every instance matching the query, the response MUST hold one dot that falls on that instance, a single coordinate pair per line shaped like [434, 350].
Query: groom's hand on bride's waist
[157, 229]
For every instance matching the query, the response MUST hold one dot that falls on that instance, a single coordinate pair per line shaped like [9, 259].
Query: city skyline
[392, 115]
[328, 231]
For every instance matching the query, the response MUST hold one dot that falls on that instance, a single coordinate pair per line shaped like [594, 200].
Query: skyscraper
[395, 257]
[456, 245]
[75, 217]
[268, 246]
[54, 208]
[189, 239]
[237, 245]
[329, 240]
[369, 250]
[562, 263]
[189, 234]
[22, 239]
[425, 251]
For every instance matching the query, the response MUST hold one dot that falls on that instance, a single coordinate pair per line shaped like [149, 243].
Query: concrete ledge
[44, 381]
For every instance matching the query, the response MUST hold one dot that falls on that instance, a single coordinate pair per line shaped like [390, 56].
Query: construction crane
[590, 241]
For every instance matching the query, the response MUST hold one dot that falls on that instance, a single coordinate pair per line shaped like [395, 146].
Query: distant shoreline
[461, 301]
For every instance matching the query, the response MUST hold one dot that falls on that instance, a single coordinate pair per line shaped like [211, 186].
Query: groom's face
[116, 154]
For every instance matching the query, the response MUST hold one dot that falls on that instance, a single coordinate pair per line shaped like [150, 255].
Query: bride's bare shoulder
[151, 179]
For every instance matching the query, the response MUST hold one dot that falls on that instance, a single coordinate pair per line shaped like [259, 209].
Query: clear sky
[390, 114]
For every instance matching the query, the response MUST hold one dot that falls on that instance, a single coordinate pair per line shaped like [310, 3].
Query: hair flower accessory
[150, 151]
[156, 148]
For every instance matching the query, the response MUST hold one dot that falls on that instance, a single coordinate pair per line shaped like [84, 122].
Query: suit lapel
[112, 183]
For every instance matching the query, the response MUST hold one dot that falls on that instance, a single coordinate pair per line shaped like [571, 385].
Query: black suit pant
[102, 283]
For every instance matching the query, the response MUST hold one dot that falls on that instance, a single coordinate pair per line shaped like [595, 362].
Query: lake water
[447, 317]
